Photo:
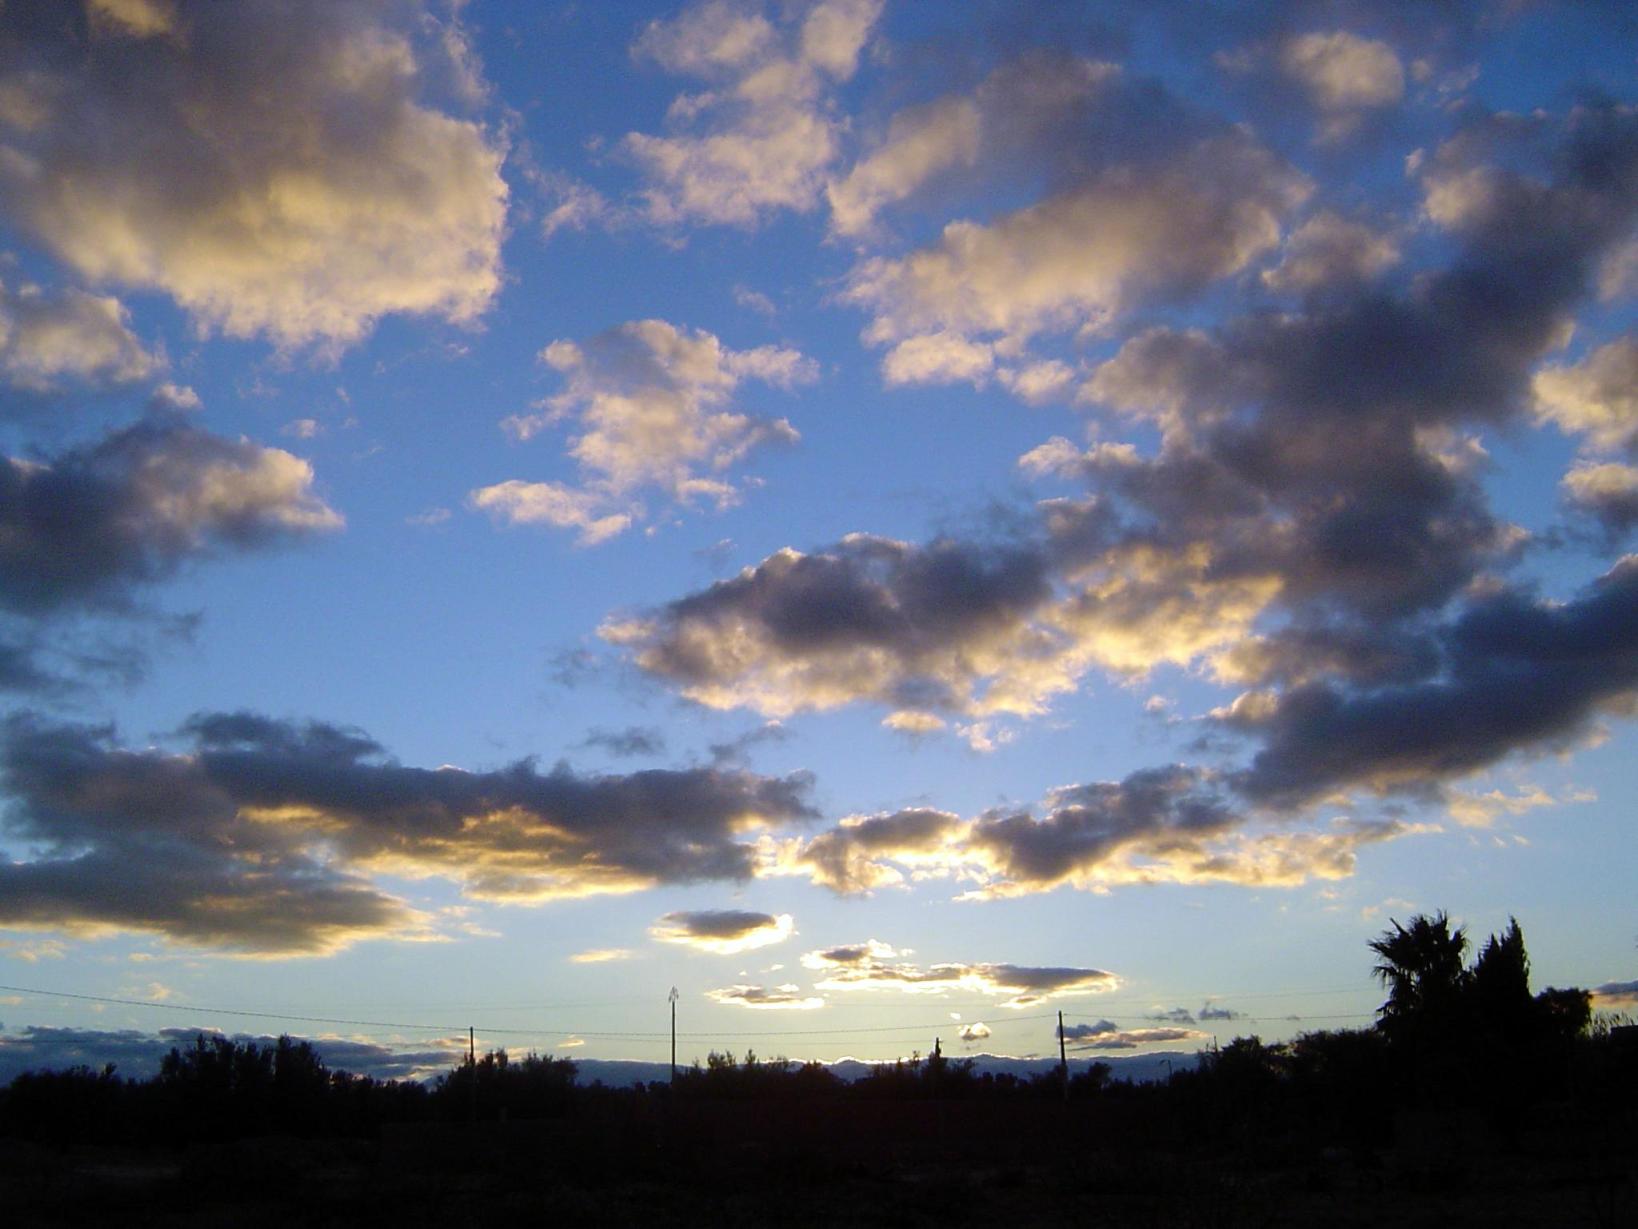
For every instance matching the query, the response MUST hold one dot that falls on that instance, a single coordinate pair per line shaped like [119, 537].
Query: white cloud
[653, 404]
[47, 337]
[766, 139]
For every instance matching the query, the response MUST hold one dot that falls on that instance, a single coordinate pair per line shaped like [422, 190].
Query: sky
[895, 520]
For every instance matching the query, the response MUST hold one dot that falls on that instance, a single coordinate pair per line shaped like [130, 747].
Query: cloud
[319, 193]
[83, 527]
[1107, 1035]
[722, 932]
[976, 1031]
[871, 966]
[1606, 492]
[1473, 810]
[634, 740]
[1521, 674]
[654, 406]
[949, 626]
[263, 835]
[1126, 235]
[777, 998]
[138, 1055]
[765, 135]
[1343, 74]
[1331, 250]
[1596, 398]
[857, 855]
[601, 955]
[47, 338]
[1614, 994]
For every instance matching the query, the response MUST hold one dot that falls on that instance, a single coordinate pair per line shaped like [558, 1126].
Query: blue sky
[893, 519]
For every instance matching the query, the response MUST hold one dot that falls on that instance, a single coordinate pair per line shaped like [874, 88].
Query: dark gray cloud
[1519, 673]
[137, 1054]
[878, 966]
[853, 857]
[262, 836]
[767, 998]
[82, 528]
[1157, 808]
[1107, 1035]
[723, 931]
[631, 742]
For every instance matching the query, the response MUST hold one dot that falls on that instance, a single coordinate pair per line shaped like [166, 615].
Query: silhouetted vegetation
[1464, 1063]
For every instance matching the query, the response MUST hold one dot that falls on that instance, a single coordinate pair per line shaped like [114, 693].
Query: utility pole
[673, 997]
[472, 1073]
[1063, 1056]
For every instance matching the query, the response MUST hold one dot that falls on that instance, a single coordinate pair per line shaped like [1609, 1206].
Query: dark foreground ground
[915, 1164]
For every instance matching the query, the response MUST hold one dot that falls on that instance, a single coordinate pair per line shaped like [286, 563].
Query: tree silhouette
[1421, 967]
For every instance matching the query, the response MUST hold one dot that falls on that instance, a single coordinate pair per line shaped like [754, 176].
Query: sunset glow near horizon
[894, 519]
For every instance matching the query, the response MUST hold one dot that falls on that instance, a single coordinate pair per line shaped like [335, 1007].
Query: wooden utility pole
[472, 1073]
[673, 996]
[1063, 1055]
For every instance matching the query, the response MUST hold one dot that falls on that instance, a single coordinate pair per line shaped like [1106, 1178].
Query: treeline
[1451, 1037]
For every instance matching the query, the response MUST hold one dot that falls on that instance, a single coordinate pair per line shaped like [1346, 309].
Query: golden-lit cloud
[263, 836]
[317, 194]
[1596, 398]
[601, 955]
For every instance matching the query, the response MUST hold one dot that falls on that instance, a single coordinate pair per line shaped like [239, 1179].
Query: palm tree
[1422, 969]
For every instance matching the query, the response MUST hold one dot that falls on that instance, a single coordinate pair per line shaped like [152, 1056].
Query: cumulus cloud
[764, 134]
[1126, 235]
[83, 527]
[1107, 1035]
[1607, 492]
[1520, 674]
[1596, 398]
[722, 932]
[1344, 75]
[764, 998]
[653, 404]
[873, 966]
[976, 1031]
[860, 853]
[262, 835]
[1331, 250]
[317, 194]
[49, 338]
[1175, 824]
[1145, 201]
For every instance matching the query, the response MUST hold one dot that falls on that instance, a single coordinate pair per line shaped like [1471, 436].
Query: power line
[449, 1029]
